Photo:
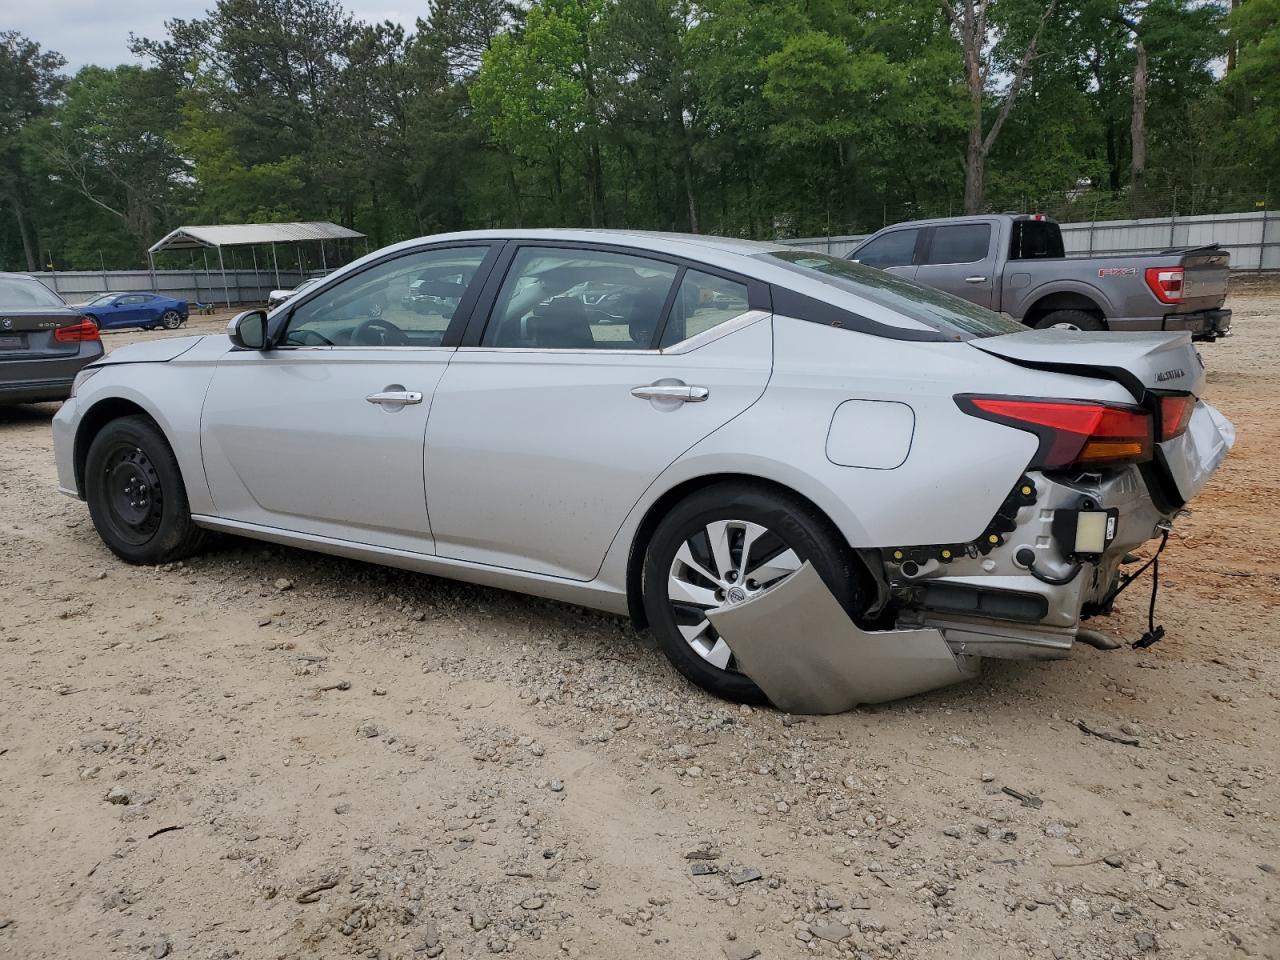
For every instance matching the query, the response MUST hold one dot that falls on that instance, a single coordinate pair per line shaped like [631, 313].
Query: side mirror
[248, 330]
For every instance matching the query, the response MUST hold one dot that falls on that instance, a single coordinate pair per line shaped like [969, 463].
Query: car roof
[745, 257]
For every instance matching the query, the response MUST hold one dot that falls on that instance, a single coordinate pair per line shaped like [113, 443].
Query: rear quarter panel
[957, 470]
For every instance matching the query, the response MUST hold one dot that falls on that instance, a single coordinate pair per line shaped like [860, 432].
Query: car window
[101, 299]
[702, 302]
[18, 292]
[941, 311]
[894, 249]
[960, 243]
[1036, 240]
[133, 300]
[384, 306]
[564, 299]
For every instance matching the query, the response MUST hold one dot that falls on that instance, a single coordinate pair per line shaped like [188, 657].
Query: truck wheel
[1070, 320]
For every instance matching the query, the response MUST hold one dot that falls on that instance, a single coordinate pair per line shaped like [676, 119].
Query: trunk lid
[1138, 361]
[1142, 363]
[26, 333]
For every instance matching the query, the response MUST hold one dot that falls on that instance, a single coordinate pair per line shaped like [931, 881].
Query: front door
[595, 371]
[324, 433]
[960, 260]
[893, 251]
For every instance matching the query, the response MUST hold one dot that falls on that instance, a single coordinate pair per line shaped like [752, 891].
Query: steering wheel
[377, 332]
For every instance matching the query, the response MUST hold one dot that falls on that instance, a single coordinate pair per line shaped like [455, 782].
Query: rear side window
[1035, 240]
[895, 249]
[17, 293]
[960, 243]
[934, 308]
[702, 302]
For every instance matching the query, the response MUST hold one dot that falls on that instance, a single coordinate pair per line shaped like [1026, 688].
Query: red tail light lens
[86, 329]
[1165, 283]
[1073, 433]
[1175, 413]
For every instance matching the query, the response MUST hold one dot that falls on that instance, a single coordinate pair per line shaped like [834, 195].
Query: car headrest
[560, 324]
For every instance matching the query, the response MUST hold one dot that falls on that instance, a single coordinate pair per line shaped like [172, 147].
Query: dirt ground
[373, 763]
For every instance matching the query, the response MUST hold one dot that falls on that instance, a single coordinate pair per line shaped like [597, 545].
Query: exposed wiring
[1128, 578]
[1055, 581]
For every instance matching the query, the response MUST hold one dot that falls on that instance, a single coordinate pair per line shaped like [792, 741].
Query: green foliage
[742, 117]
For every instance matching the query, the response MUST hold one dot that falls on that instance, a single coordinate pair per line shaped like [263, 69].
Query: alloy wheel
[722, 565]
[171, 320]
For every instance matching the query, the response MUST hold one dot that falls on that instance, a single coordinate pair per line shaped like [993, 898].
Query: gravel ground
[268, 753]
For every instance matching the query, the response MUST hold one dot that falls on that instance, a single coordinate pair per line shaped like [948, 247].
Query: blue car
[145, 310]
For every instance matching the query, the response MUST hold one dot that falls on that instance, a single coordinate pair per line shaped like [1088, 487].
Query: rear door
[597, 367]
[960, 259]
[893, 251]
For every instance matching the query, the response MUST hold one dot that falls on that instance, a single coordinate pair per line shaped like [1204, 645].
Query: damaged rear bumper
[802, 649]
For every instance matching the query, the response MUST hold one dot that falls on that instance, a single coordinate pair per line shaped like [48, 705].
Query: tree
[982, 43]
[1255, 84]
[30, 89]
[110, 142]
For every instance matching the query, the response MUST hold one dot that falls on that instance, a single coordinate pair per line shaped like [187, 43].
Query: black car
[43, 342]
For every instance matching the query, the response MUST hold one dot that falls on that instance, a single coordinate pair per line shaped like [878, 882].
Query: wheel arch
[97, 417]
[1065, 299]
[668, 499]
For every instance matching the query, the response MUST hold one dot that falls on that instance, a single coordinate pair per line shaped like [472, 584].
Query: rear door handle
[395, 397]
[975, 279]
[681, 393]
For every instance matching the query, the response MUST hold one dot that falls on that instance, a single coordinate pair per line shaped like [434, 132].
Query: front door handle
[679, 392]
[394, 398]
[975, 279]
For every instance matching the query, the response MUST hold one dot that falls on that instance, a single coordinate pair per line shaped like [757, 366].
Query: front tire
[136, 496]
[722, 545]
[1070, 320]
[171, 320]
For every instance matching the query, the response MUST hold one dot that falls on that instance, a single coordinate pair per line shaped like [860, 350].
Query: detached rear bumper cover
[800, 647]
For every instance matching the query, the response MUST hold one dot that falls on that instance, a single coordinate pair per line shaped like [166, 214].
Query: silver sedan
[816, 483]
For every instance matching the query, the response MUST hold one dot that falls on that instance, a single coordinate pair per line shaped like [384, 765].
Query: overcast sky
[97, 31]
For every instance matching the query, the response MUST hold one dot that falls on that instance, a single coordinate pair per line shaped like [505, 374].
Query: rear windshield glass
[17, 293]
[939, 310]
[1035, 240]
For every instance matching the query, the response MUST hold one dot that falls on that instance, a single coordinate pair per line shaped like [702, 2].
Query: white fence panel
[1252, 239]
[194, 286]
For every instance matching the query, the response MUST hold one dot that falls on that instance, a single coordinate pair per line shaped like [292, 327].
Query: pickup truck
[1015, 264]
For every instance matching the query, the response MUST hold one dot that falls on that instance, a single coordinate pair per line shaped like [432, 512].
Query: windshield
[17, 292]
[101, 298]
[941, 311]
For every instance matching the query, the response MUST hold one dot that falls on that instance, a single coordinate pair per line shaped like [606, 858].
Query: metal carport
[217, 236]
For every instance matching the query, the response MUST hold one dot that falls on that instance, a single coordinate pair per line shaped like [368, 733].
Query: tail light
[1175, 413]
[1165, 283]
[1073, 433]
[86, 329]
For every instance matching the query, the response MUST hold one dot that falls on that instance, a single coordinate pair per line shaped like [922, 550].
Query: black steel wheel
[136, 496]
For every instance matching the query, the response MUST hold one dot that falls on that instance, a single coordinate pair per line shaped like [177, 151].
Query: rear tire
[171, 320]
[136, 496]
[1070, 320]
[793, 532]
